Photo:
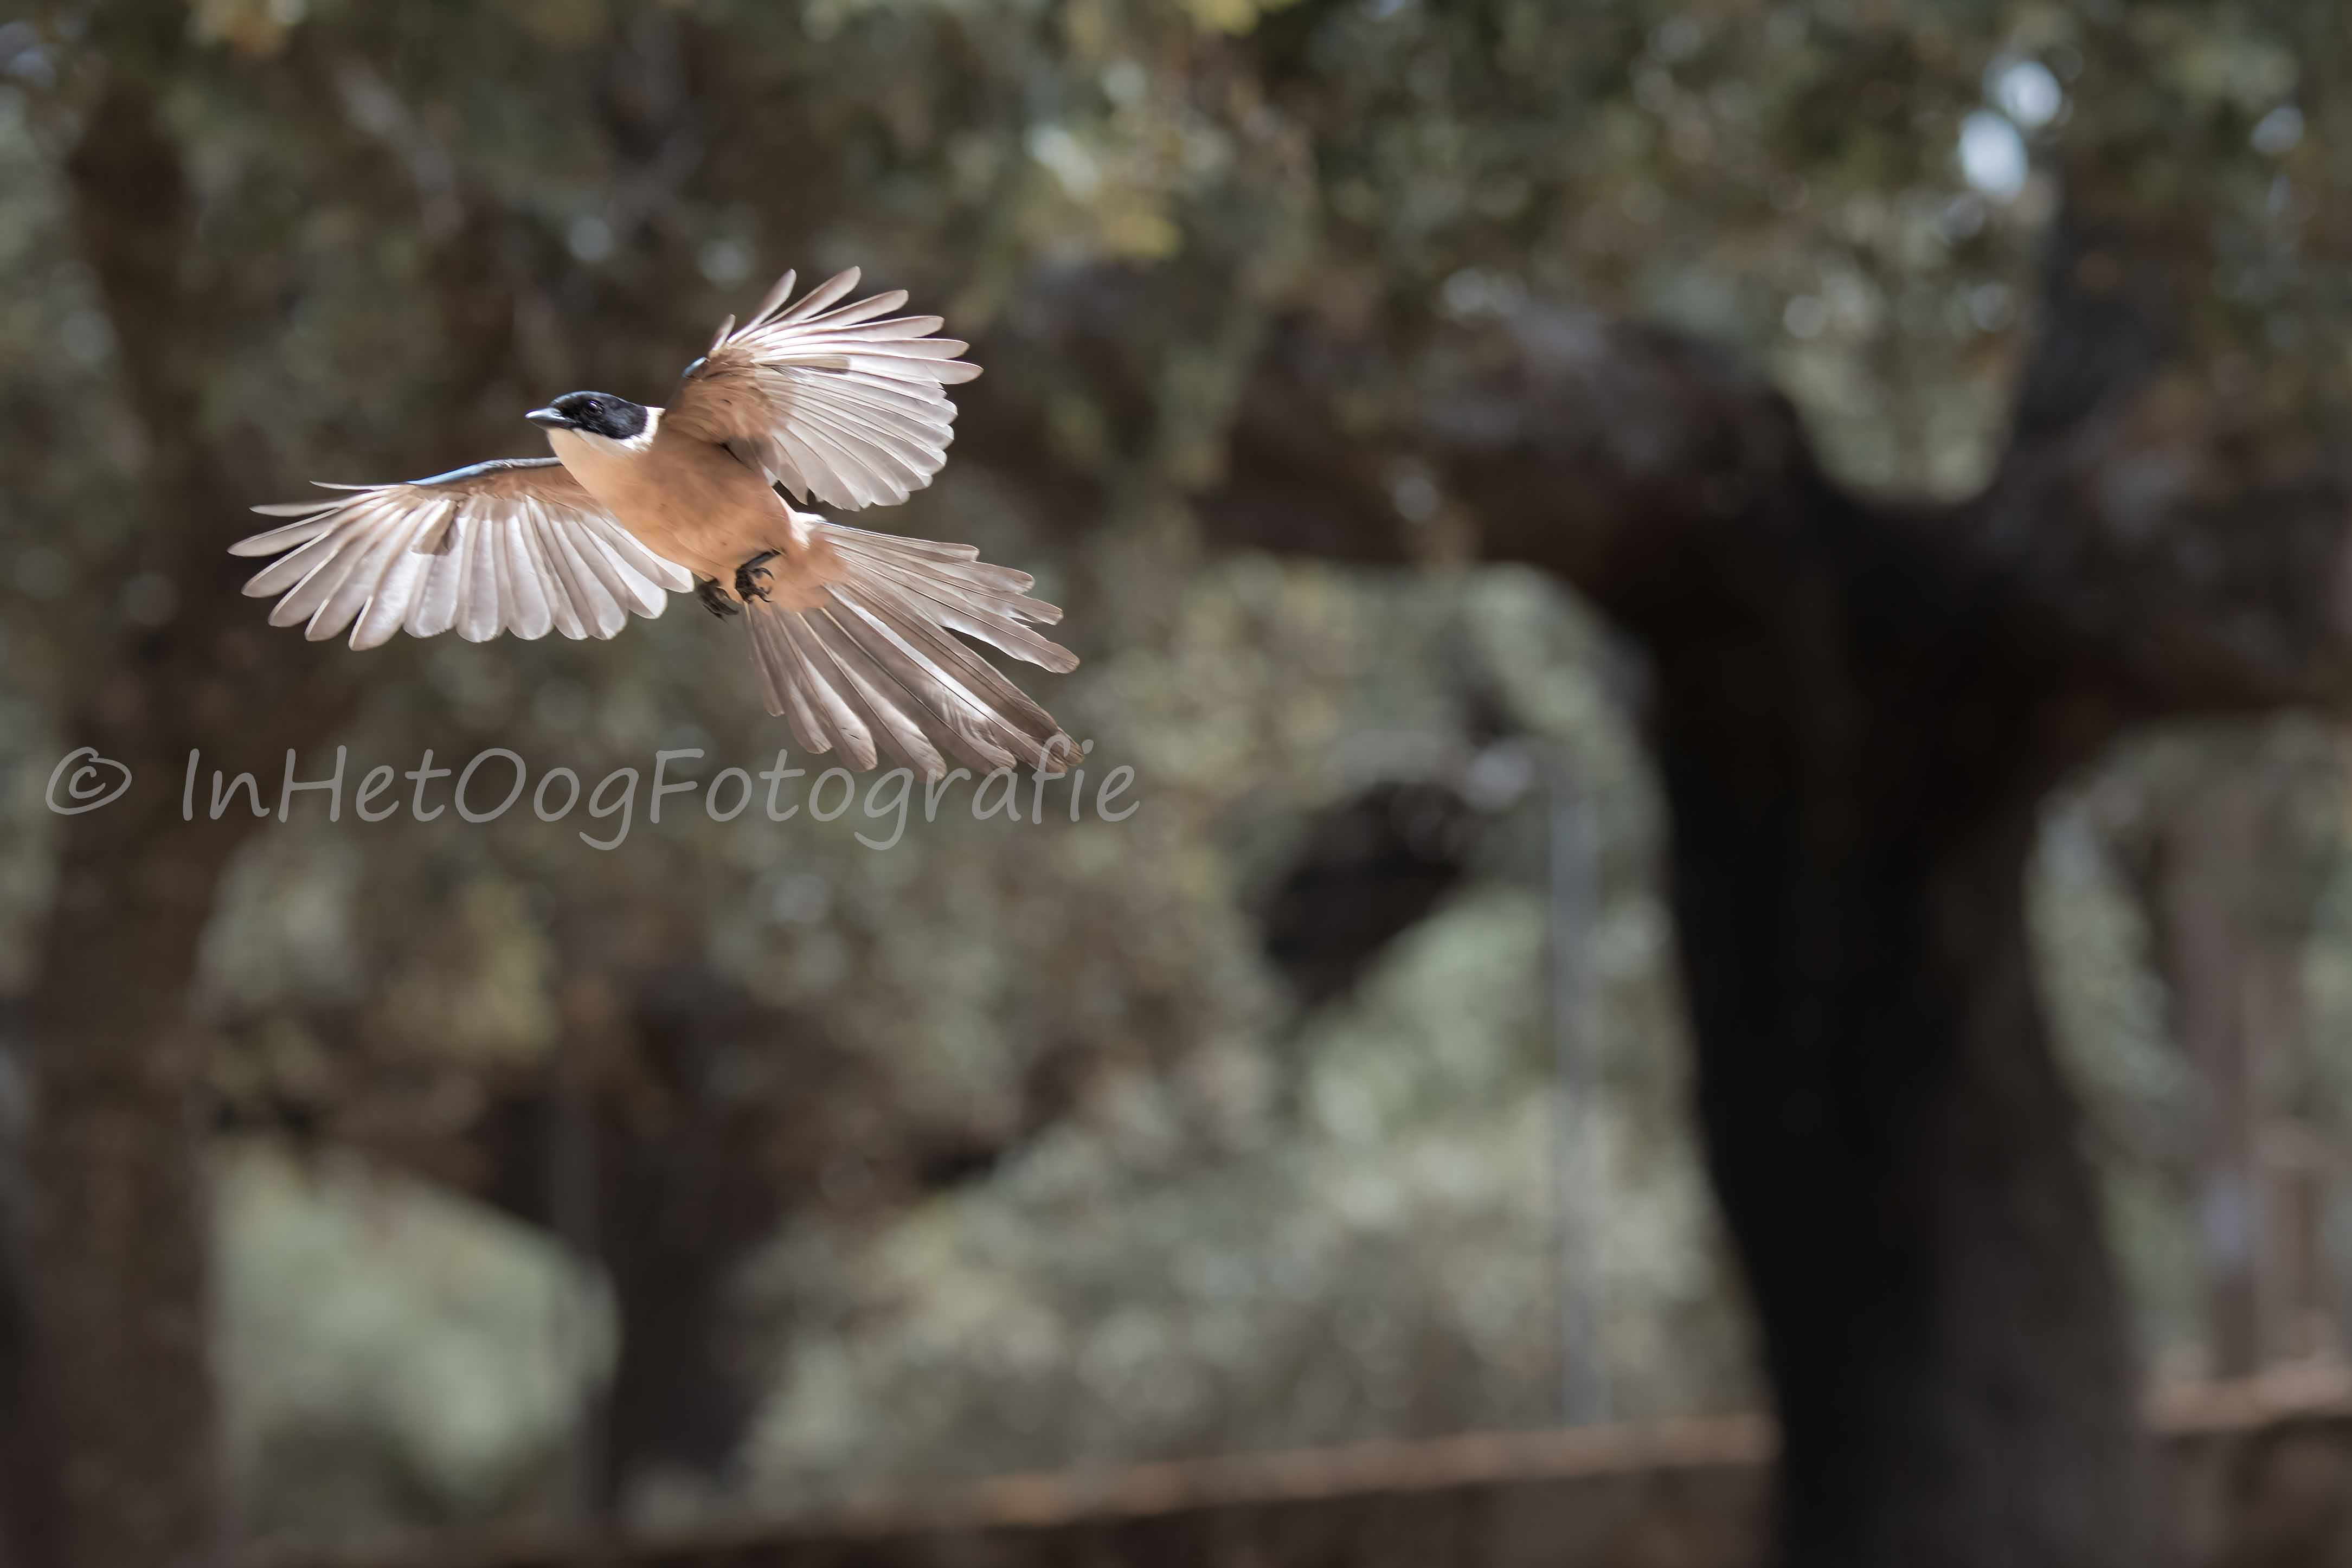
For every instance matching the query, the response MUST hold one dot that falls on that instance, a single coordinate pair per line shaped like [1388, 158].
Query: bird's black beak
[549, 417]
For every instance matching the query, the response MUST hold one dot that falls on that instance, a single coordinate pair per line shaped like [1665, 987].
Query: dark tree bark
[1888, 1134]
[119, 1226]
[28, 1480]
[118, 1426]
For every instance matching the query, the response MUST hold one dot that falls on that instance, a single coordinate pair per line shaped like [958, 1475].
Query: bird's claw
[751, 574]
[714, 599]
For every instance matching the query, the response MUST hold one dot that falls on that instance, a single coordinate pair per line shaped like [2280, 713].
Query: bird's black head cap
[596, 412]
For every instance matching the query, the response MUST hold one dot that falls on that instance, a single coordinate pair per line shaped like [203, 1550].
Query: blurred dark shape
[29, 1525]
[1366, 869]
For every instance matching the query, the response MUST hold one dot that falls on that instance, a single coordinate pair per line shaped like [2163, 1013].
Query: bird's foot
[751, 574]
[714, 598]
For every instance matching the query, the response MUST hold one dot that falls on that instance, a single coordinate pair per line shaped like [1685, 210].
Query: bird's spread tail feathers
[870, 666]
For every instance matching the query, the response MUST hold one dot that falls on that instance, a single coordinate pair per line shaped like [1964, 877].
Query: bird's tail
[867, 664]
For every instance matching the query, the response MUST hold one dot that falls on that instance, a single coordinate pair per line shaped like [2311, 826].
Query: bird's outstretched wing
[840, 402]
[854, 648]
[515, 545]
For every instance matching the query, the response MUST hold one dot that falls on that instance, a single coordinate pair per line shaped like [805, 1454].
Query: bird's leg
[751, 574]
[714, 598]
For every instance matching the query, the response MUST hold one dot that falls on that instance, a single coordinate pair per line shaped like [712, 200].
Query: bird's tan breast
[690, 502]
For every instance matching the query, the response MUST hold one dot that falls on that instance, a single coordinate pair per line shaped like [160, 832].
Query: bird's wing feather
[859, 656]
[514, 545]
[843, 402]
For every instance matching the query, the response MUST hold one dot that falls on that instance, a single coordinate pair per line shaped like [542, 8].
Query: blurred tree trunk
[121, 1223]
[119, 1226]
[128, 1475]
[28, 1434]
[640, 1165]
[120, 1234]
[1896, 1154]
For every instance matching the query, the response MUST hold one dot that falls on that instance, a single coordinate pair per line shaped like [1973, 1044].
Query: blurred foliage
[391, 1354]
[1222, 1223]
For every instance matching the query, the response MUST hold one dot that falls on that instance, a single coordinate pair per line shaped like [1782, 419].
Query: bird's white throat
[599, 462]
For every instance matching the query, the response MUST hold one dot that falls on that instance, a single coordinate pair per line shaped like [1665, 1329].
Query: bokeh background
[1338, 1093]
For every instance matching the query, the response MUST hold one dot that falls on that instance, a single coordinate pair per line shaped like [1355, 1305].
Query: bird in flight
[851, 631]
